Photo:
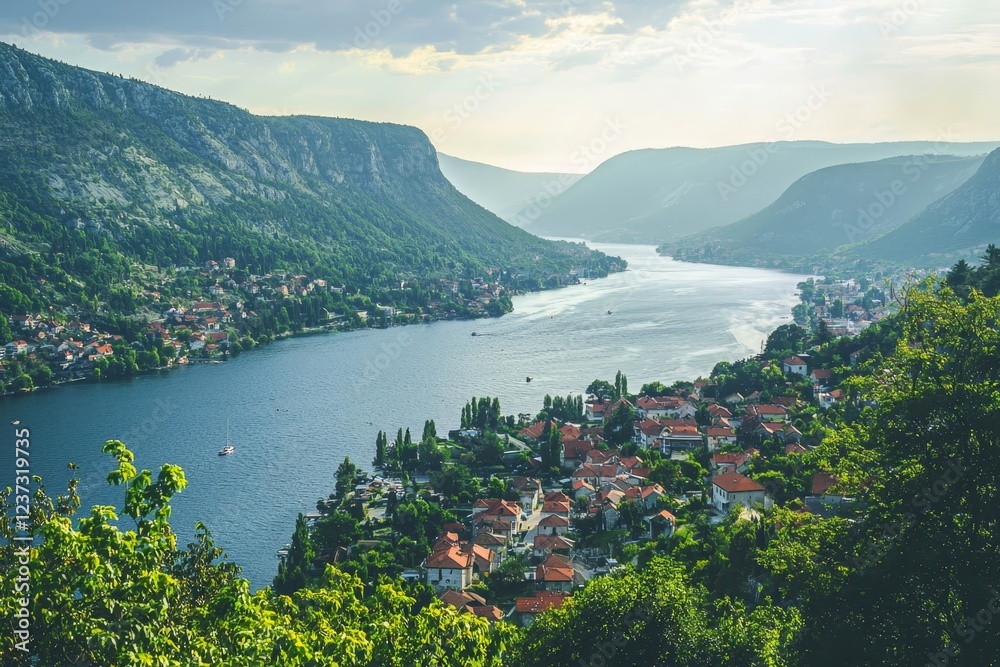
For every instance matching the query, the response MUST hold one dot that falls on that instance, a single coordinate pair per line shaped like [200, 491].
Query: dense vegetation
[105, 183]
[910, 580]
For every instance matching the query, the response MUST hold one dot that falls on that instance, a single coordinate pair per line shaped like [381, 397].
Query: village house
[507, 510]
[725, 464]
[543, 545]
[597, 411]
[660, 524]
[719, 436]
[530, 490]
[553, 524]
[526, 609]
[555, 573]
[796, 365]
[472, 603]
[735, 489]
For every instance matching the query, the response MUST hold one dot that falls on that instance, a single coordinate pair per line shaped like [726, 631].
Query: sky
[558, 85]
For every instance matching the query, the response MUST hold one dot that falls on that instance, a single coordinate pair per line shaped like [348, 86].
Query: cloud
[399, 26]
[182, 55]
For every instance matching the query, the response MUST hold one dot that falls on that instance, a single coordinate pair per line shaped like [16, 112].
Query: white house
[795, 365]
[735, 489]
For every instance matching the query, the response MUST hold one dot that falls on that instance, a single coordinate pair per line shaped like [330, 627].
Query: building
[796, 365]
[734, 489]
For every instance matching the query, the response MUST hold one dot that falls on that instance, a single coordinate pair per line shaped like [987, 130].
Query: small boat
[16, 422]
[474, 333]
[228, 449]
[609, 312]
[529, 378]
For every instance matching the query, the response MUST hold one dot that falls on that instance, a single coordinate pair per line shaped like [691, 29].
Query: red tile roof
[541, 601]
[736, 483]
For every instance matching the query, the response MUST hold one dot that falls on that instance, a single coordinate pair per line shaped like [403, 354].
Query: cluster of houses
[69, 349]
[536, 524]
[839, 310]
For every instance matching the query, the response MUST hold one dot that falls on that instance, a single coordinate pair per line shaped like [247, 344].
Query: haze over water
[298, 407]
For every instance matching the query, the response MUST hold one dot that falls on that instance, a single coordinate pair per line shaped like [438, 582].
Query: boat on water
[474, 333]
[529, 378]
[228, 449]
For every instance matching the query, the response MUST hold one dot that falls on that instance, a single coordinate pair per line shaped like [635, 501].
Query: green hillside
[831, 208]
[105, 180]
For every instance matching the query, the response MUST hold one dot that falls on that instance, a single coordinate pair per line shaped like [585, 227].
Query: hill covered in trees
[105, 180]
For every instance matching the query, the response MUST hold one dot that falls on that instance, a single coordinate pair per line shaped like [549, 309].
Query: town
[508, 516]
[205, 313]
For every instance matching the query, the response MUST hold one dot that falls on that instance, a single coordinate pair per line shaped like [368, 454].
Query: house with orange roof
[530, 490]
[555, 573]
[527, 608]
[542, 545]
[734, 489]
[596, 411]
[718, 436]
[724, 464]
[553, 524]
[795, 365]
[662, 523]
[583, 490]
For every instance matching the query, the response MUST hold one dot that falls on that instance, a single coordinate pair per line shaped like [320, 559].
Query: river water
[299, 406]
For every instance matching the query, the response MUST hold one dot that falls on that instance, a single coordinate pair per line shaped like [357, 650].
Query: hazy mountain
[94, 161]
[502, 191]
[662, 195]
[833, 207]
[959, 224]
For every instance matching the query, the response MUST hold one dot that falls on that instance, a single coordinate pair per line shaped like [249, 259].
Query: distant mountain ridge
[502, 191]
[163, 178]
[831, 209]
[958, 225]
[662, 195]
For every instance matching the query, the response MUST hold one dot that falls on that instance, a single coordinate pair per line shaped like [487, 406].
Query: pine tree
[379, 450]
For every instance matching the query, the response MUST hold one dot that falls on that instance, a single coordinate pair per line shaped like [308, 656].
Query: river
[299, 406]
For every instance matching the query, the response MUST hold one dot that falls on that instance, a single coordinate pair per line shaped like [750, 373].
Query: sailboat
[228, 449]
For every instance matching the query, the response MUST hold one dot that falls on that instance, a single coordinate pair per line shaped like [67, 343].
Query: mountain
[502, 191]
[661, 195]
[101, 176]
[831, 208]
[960, 224]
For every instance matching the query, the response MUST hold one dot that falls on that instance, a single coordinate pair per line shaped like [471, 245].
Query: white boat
[228, 449]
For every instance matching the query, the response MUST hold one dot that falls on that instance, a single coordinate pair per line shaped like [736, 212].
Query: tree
[346, 473]
[380, 445]
[621, 385]
[293, 569]
[338, 529]
[619, 425]
[923, 461]
[430, 431]
[602, 389]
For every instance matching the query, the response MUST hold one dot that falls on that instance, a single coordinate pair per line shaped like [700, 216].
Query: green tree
[618, 425]
[293, 569]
